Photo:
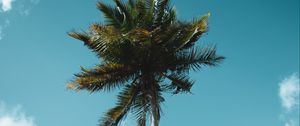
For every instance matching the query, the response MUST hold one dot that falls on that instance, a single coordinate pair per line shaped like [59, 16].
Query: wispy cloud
[6, 5]
[25, 6]
[1, 33]
[19, 8]
[14, 116]
[289, 92]
[2, 27]
[289, 96]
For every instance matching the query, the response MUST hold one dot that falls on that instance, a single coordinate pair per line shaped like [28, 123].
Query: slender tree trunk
[154, 101]
[151, 91]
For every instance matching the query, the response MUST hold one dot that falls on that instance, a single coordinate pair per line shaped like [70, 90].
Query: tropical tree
[145, 51]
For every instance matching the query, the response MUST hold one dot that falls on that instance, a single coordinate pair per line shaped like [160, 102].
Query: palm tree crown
[142, 45]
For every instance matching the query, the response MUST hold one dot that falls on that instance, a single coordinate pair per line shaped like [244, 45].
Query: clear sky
[260, 39]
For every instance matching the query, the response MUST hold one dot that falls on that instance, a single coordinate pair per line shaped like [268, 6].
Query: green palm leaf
[180, 83]
[103, 77]
[125, 100]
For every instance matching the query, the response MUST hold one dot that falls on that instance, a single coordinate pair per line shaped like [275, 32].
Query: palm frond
[169, 18]
[178, 35]
[103, 70]
[104, 77]
[201, 24]
[141, 108]
[167, 35]
[142, 104]
[189, 34]
[164, 14]
[113, 17]
[197, 58]
[82, 36]
[132, 3]
[125, 99]
[127, 22]
[161, 10]
[104, 40]
[180, 83]
[200, 28]
[149, 16]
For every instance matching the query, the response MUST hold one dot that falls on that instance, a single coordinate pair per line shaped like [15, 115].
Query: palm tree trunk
[153, 91]
[152, 95]
[155, 114]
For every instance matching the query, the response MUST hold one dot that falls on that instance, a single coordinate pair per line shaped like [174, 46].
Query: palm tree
[145, 51]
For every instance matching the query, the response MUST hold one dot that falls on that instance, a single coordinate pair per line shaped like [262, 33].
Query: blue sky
[257, 85]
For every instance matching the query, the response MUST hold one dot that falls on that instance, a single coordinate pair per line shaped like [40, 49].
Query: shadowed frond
[195, 59]
[141, 108]
[99, 38]
[127, 17]
[161, 8]
[113, 17]
[104, 70]
[187, 34]
[201, 27]
[104, 77]
[85, 37]
[179, 83]
[125, 100]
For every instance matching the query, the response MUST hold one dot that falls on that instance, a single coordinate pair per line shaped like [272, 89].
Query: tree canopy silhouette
[142, 45]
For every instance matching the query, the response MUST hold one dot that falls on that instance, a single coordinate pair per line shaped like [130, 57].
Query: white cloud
[290, 123]
[16, 7]
[6, 5]
[289, 96]
[289, 92]
[14, 116]
[22, 6]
